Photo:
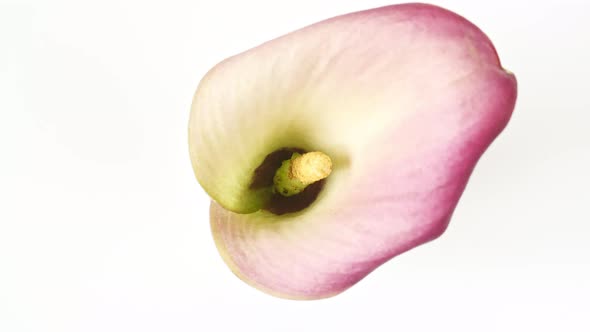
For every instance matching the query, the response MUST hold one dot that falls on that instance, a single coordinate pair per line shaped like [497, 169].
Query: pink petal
[434, 97]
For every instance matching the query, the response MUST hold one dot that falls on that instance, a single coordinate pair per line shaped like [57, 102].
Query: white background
[104, 228]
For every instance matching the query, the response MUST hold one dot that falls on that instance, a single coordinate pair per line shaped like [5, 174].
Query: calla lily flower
[334, 148]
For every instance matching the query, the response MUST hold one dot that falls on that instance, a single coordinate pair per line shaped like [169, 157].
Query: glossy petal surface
[404, 98]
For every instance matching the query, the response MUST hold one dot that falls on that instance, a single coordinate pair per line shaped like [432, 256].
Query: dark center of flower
[279, 203]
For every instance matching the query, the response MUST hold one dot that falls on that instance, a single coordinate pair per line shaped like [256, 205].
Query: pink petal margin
[400, 198]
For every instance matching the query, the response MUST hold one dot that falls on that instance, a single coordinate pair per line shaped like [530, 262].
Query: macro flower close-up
[289, 166]
[330, 150]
